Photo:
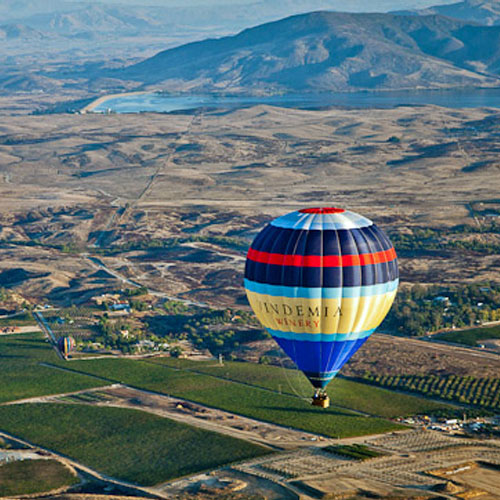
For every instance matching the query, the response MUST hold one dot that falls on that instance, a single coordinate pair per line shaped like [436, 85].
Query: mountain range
[62, 44]
[103, 19]
[329, 51]
[19, 31]
[485, 12]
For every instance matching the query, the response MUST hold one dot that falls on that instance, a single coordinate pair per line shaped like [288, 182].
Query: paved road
[44, 326]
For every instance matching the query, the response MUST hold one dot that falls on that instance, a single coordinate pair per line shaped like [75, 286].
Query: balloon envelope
[320, 281]
[66, 345]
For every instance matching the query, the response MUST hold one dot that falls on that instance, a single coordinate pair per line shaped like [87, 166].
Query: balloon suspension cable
[285, 370]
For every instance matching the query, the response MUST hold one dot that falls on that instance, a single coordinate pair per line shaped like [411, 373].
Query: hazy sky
[368, 5]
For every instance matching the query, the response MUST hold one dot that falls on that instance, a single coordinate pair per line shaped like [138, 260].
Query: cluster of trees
[135, 292]
[419, 310]
[482, 392]
[176, 307]
[110, 335]
[219, 331]
[121, 335]
[427, 239]
[71, 313]
[7, 301]
[210, 330]
[4, 294]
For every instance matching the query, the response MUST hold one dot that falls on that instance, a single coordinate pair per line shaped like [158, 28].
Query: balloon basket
[321, 399]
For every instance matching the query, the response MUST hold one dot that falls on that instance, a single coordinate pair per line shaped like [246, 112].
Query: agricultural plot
[342, 392]
[250, 401]
[22, 376]
[24, 319]
[126, 444]
[483, 392]
[471, 337]
[355, 451]
[26, 477]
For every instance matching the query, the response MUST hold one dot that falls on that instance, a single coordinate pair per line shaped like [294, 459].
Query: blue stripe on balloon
[321, 337]
[329, 277]
[315, 242]
[319, 292]
[299, 220]
[323, 377]
[319, 360]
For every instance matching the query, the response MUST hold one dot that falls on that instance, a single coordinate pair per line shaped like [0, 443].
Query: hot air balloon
[321, 280]
[66, 345]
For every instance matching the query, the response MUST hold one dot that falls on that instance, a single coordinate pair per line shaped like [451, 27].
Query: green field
[342, 392]
[243, 388]
[126, 444]
[480, 392]
[471, 337]
[34, 476]
[21, 375]
[356, 451]
[251, 401]
[22, 319]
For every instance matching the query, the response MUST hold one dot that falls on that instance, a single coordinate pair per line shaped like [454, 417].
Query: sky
[18, 9]
[368, 5]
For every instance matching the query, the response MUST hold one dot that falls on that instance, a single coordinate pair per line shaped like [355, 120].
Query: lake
[161, 103]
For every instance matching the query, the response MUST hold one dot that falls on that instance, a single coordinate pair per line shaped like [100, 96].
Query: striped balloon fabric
[321, 280]
[66, 345]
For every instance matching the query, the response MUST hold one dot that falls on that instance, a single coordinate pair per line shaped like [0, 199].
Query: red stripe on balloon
[321, 260]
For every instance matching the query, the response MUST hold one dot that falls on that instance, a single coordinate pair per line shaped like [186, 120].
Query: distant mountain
[485, 12]
[28, 82]
[326, 51]
[19, 32]
[94, 19]
[216, 16]
[83, 30]
[257, 9]
[14, 9]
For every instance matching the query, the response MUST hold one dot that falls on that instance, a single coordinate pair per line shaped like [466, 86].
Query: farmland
[23, 319]
[243, 399]
[34, 476]
[478, 391]
[22, 376]
[28, 379]
[343, 392]
[126, 444]
[472, 336]
[356, 451]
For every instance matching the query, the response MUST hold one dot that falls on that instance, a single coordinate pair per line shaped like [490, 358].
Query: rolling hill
[485, 12]
[95, 19]
[20, 32]
[328, 51]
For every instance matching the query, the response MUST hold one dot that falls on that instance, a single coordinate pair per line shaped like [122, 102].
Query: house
[120, 306]
[148, 344]
[443, 299]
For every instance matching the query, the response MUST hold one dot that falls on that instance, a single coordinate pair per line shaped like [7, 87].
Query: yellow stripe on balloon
[327, 316]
